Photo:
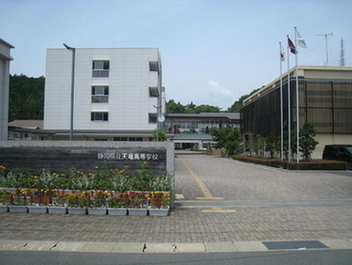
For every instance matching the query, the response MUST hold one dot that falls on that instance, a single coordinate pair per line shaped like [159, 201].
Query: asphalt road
[321, 257]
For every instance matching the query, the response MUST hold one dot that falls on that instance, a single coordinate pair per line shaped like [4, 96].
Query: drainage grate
[294, 245]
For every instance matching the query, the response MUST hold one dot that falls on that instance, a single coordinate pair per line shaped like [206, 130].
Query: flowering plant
[159, 199]
[99, 199]
[118, 201]
[40, 196]
[78, 200]
[137, 199]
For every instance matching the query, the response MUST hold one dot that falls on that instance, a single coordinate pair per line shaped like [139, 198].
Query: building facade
[194, 129]
[117, 93]
[325, 100]
[5, 58]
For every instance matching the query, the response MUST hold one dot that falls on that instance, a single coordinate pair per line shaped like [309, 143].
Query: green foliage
[238, 104]
[103, 179]
[226, 137]
[159, 135]
[307, 143]
[260, 143]
[26, 98]
[172, 107]
[272, 143]
[311, 165]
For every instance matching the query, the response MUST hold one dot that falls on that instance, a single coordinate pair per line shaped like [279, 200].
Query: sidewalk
[227, 206]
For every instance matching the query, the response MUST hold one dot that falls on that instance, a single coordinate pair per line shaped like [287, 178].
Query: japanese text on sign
[128, 156]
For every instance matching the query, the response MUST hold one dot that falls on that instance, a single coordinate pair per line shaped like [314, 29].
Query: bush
[311, 165]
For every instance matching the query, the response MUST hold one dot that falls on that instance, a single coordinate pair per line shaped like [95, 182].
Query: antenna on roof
[326, 45]
[342, 53]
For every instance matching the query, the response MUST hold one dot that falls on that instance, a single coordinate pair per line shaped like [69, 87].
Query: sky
[212, 51]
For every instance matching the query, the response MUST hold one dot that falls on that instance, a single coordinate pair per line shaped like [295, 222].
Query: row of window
[101, 68]
[100, 94]
[104, 116]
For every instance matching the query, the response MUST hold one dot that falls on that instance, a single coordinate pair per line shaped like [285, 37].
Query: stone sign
[60, 159]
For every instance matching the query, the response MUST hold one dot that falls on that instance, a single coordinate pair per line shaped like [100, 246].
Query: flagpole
[289, 102]
[297, 97]
[282, 57]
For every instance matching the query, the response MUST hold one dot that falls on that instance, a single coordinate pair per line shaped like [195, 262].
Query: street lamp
[72, 86]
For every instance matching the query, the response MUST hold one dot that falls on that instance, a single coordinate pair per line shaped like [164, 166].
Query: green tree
[237, 105]
[159, 135]
[206, 108]
[307, 143]
[172, 107]
[190, 108]
[271, 144]
[260, 143]
[26, 98]
[226, 137]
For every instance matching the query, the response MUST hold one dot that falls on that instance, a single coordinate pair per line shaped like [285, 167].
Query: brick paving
[234, 181]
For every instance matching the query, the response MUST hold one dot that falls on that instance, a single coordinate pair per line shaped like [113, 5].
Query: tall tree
[26, 99]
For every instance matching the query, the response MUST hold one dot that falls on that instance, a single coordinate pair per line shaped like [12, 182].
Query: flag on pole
[291, 46]
[282, 53]
[300, 41]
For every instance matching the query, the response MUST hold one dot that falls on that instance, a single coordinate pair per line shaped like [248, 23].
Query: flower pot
[4, 208]
[159, 212]
[18, 209]
[97, 211]
[138, 211]
[57, 210]
[76, 210]
[117, 211]
[37, 209]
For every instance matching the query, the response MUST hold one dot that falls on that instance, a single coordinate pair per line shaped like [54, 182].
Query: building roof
[204, 115]
[6, 43]
[332, 73]
[28, 124]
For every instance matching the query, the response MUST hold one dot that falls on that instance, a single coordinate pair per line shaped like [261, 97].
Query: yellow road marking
[206, 192]
[218, 210]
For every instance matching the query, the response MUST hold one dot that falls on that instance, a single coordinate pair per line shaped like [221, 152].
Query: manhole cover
[294, 245]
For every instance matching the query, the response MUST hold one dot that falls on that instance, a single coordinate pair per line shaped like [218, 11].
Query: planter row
[83, 211]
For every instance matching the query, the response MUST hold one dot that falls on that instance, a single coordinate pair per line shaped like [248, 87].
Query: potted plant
[97, 203]
[4, 198]
[159, 203]
[77, 203]
[19, 201]
[117, 205]
[58, 202]
[137, 203]
[39, 200]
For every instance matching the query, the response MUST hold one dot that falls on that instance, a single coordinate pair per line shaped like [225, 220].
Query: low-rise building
[324, 100]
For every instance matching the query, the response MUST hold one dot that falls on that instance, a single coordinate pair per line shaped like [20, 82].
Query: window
[101, 68]
[100, 94]
[154, 66]
[153, 92]
[99, 116]
[152, 117]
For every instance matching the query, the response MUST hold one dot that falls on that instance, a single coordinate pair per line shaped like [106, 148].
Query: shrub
[303, 165]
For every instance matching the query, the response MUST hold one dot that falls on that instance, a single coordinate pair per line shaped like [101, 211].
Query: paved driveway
[225, 201]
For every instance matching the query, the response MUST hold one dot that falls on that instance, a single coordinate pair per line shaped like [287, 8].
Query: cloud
[220, 91]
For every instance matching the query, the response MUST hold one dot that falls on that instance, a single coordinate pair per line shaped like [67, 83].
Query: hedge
[316, 164]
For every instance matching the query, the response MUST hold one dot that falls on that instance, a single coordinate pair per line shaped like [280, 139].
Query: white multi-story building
[117, 93]
[5, 58]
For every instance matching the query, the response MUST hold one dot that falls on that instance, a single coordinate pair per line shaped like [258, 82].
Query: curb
[205, 247]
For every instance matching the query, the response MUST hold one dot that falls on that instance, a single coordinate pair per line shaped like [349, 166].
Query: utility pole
[326, 46]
